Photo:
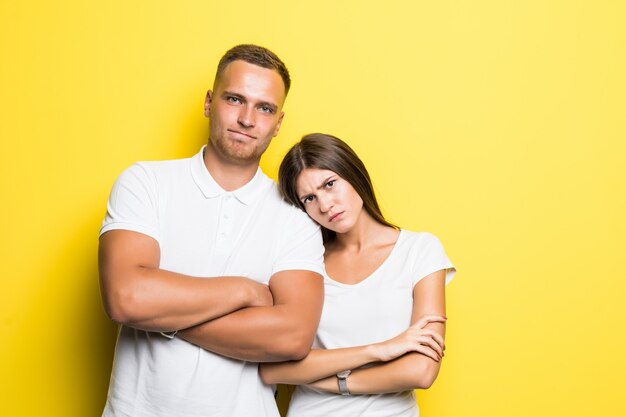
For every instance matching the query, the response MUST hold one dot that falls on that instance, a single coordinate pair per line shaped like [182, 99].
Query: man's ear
[207, 103]
[280, 122]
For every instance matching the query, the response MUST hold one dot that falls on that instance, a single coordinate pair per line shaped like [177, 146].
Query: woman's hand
[415, 339]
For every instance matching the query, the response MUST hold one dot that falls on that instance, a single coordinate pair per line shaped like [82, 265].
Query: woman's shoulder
[427, 254]
[420, 245]
[419, 238]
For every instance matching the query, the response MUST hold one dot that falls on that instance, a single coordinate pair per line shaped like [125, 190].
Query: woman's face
[329, 199]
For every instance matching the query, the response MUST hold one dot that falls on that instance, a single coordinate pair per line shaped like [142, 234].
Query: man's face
[245, 111]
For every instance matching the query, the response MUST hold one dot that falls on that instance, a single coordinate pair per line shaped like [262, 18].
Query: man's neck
[228, 175]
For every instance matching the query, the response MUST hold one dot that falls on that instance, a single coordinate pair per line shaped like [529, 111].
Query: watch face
[343, 374]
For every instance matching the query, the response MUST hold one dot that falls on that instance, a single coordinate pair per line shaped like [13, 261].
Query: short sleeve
[429, 256]
[132, 204]
[301, 246]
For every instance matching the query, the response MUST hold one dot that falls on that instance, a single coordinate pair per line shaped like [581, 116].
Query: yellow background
[497, 125]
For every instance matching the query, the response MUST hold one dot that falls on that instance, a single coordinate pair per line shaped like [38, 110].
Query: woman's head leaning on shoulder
[323, 176]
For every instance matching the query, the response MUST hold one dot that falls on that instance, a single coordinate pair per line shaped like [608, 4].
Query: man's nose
[246, 116]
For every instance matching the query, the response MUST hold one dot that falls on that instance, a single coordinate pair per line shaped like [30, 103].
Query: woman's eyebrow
[319, 188]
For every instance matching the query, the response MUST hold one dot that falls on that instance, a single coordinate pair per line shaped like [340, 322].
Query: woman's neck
[366, 232]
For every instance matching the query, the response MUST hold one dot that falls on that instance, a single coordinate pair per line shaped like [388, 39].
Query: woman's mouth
[335, 217]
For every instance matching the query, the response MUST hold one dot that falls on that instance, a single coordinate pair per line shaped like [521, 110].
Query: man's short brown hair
[256, 55]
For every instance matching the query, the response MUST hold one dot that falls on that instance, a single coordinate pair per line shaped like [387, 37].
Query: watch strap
[343, 386]
[342, 382]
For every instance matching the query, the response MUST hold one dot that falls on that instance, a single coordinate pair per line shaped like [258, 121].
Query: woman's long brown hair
[322, 151]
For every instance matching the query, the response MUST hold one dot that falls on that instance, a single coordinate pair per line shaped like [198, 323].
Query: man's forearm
[164, 301]
[281, 332]
[137, 293]
[257, 334]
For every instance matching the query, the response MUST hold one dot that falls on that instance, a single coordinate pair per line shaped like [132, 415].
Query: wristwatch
[169, 335]
[342, 381]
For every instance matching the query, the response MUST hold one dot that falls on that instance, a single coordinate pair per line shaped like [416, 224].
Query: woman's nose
[325, 203]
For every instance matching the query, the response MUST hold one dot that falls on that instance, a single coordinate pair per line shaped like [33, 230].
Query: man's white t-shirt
[373, 310]
[202, 231]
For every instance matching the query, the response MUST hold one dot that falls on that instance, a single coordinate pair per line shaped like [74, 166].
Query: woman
[382, 326]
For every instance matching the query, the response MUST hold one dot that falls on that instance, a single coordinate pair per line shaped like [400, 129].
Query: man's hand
[260, 295]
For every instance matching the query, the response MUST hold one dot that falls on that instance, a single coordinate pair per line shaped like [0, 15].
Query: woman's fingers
[428, 337]
[438, 338]
[415, 339]
[429, 341]
[431, 318]
[425, 350]
[432, 333]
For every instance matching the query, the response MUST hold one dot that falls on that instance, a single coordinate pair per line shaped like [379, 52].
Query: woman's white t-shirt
[373, 310]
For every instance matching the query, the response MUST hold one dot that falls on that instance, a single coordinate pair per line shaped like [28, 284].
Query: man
[205, 267]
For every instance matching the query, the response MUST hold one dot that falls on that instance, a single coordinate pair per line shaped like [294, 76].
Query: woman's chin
[338, 228]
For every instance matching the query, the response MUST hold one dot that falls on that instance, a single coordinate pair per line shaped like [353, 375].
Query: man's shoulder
[153, 170]
[281, 208]
[151, 178]
[275, 197]
[167, 165]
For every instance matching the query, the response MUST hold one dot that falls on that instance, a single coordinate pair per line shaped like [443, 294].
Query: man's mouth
[241, 133]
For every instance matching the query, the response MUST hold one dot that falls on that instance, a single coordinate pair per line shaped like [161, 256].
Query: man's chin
[238, 153]
[237, 157]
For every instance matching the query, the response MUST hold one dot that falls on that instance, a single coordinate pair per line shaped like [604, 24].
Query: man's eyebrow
[233, 94]
[318, 188]
[243, 98]
[268, 104]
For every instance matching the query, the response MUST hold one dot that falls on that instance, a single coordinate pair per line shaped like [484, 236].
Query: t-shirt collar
[211, 189]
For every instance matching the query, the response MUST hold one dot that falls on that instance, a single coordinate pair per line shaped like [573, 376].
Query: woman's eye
[307, 200]
[330, 183]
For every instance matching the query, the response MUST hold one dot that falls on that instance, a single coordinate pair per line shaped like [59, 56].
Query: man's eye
[266, 109]
[232, 99]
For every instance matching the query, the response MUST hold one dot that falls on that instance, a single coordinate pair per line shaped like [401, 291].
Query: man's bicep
[133, 203]
[300, 248]
[125, 248]
[120, 254]
[301, 294]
